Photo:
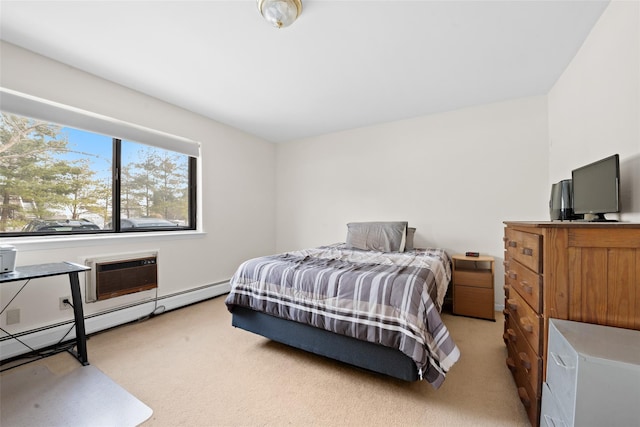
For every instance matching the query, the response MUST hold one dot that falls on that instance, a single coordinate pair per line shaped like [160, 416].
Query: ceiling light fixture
[280, 13]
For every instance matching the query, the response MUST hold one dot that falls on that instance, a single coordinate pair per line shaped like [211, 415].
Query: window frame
[116, 206]
[192, 192]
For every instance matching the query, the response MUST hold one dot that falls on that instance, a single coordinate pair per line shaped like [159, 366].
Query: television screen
[596, 187]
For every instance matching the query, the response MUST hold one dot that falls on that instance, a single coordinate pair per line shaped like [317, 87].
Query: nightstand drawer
[473, 301]
[476, 278]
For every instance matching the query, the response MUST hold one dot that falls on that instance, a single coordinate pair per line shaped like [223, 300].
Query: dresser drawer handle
[527, 251]
[524, 397]
[558, 361]
[512, 275]
[526, 325]
[527, 287]
[511, 364]
[512, 244]
[524, 361]
[513, 305]
[553, 422]
[512, 335]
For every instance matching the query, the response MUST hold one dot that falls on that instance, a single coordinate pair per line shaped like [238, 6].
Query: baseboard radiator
[119, 275]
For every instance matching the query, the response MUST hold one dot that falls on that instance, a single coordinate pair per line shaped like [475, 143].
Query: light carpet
[194, 369]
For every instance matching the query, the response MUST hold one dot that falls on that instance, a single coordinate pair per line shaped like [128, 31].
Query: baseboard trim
[50, 335]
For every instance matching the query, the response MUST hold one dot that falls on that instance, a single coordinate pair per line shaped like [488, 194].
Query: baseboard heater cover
[114, 276]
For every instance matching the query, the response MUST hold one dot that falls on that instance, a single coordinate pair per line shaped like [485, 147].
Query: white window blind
[41, 109]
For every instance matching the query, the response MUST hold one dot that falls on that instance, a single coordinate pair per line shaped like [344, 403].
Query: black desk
[29, 272]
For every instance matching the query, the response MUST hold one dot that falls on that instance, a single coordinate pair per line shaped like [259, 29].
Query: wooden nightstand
[473, 286]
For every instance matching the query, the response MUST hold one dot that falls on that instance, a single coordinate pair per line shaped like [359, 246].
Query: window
[62, 180]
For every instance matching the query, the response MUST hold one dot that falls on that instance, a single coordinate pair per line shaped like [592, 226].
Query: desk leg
[78, 314]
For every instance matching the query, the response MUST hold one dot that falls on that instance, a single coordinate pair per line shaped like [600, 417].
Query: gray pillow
[409, 244]
[377, 236]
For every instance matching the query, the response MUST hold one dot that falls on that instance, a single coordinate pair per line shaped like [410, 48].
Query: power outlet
[13, 316]
[63, 305]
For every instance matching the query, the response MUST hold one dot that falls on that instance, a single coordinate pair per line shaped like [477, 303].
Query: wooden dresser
[585, 272]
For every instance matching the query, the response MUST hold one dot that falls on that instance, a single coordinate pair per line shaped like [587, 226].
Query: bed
[370, 304]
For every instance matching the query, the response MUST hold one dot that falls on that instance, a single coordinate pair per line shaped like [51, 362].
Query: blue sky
[100, 147]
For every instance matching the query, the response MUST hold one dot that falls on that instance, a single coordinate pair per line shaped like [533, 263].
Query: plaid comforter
[393, 299]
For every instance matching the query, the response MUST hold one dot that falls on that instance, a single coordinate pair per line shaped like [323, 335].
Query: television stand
[599, 218]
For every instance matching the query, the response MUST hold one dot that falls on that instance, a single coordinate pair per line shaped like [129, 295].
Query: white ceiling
[341, 65]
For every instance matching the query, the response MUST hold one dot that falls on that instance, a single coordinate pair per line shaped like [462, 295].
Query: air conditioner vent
[112, 278]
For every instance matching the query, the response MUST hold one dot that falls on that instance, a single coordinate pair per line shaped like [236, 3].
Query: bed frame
[363, 354]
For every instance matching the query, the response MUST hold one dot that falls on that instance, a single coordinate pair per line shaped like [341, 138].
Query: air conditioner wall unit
[117, 275]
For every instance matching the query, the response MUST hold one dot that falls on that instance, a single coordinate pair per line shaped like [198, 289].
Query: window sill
[59, 242]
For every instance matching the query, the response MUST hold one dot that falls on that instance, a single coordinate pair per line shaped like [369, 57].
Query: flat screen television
[596, 188]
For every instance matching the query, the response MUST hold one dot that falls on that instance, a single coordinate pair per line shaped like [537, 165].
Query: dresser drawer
[525, 358]
[476, 278]
[525, 248]
[528, 321]
[527, 396]
[526, 282]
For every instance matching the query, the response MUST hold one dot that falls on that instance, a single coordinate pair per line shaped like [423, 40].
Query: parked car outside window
[41, 225]
[127, 223]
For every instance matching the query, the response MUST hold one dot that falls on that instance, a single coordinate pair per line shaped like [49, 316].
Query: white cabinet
[593, 376]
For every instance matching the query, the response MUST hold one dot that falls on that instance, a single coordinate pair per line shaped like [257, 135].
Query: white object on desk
[7, 258]
[593, 376]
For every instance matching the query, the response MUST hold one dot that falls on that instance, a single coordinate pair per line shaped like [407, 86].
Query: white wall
[237, 192]
[454, 176]
[594, 108]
